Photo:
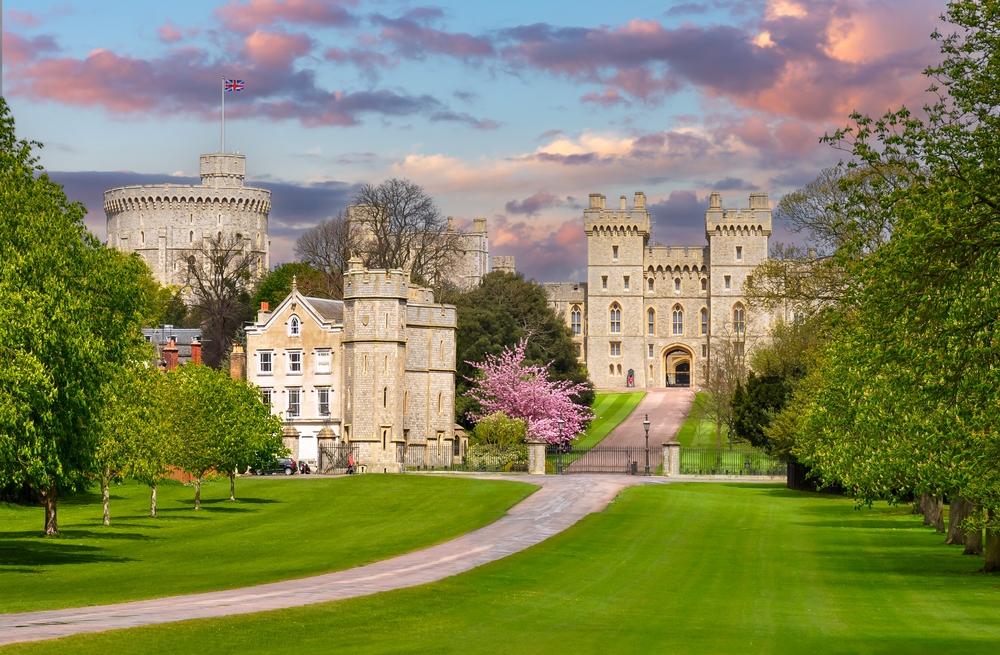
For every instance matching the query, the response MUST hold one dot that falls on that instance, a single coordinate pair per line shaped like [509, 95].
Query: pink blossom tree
[506, 385]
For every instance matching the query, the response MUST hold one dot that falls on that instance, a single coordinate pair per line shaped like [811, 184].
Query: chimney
[451, 224]
[264, 313]
[238, 363]
[196, 351]
[479, 225]
[170, 355]
[623, 203]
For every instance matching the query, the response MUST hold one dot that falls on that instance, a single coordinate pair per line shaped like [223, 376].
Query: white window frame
[294, 408]
[267, 396]
[322, 392]
[267, 355]
[294, 326]
[322, 355]
[294, 356]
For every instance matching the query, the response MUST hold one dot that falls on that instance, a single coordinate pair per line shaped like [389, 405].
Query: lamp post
[560, 422]
[645, 424]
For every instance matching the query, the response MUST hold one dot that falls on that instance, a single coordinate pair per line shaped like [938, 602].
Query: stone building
[376, 370]
[661, 311]
[165, 223]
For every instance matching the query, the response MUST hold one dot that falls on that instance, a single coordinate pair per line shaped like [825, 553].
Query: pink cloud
[609, 98]
[23, 18]
[532, 204]
[169, 34]
[19, 50]
[244, 17]
[545, 251]
[275, 49]
[414, 40]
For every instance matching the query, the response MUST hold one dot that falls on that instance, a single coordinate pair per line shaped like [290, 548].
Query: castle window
[614, 252]
[704, 350]
[142, 237]
[579, 351]
[294, 402]
[651, 320]
[651, 351]
[626, 283]
[385, 396]
[619, 367]
[739, 319]
[678, 320]
[406, 401]
[677, 284]
[727, 282]
[191, 236]
[604, 283]
[704, 284]
[739, 253]
[611, 369]
[616, 349]
[738, 349]
[323, 400]
[616, 319]
[265, 363]
[440, 402]
[294, 327]
[704, 321]
[650, 284]
[294, 361]
[576, 320]
[364, 364]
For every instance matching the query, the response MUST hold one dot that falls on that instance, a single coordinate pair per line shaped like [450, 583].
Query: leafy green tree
[250, 434]
[499, 430]
[70, 313]
[497, 315]
[276, 285]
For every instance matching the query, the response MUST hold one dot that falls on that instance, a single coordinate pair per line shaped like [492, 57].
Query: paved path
[667, 410]
[561, 502]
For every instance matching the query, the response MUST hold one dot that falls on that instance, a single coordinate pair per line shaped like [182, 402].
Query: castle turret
[374, 362]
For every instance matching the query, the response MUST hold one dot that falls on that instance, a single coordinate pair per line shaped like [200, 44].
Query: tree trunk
[106, 497]
[197, 493]
[918, 504]
[937, 514]
[232, 485]
[973, 539]
[992, 564]
[51, 519]
[957, 512]
[152, 501]
[927, 507]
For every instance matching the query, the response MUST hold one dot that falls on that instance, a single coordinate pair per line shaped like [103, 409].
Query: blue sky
[515, 111]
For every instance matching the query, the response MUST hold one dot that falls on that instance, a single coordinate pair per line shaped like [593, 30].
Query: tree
[500, 313]
[499, 430]
[70, 314]
[276, 285]
[250, 435]
[328, 248]
[506, 384]
[129, 422]
[219, 273]
[399, 227]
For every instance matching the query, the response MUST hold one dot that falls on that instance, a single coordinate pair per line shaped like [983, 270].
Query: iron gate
[627, 460]
[333, 458]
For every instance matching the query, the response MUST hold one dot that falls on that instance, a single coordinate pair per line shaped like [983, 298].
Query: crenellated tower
[375, 307]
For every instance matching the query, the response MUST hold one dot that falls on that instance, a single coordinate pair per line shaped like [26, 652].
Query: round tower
[165, 223]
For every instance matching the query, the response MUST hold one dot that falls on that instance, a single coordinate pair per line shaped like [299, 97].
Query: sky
[515, 111]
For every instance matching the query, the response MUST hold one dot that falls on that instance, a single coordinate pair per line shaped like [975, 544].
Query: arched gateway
[677, 366]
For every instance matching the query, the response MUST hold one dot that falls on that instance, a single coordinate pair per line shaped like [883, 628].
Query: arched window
[677, 284]
[406, 401]
[190, 263]
[294, 327]
[611, 369]
[739, 319]
[191, 237]
[440, 402]
[704, 284]
[650, 284]
[385, 396]
[678, 319]
[704, 321]
[576, 319]
[142, 237]
[651, 320]
[616, 318]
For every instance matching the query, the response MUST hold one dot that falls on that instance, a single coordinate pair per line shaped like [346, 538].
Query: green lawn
[681, 568]
[609, 409]
[280, 528]
[697, 433]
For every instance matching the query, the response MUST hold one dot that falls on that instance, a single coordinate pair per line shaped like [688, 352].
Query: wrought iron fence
[745, 461]
[333, 458]
[628, 460]
[480, 458]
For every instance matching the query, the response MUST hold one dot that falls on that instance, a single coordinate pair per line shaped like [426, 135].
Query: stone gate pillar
[671, 459]
[536, 457]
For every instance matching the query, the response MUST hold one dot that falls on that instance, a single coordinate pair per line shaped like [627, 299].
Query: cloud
[680, 218]
[687, 8]
[248, 16]
[609, 98]
[169, 34]
[413, 39]
[543, 252]
[730, 183]
[462, 117]
[532, 204]
[19, 50]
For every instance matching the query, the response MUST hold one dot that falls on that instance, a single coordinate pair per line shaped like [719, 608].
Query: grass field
[279, 528]
[609, 409]
[697, 433]
[681, 568]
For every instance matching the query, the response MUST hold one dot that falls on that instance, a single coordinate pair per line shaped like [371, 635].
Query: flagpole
[223, 150]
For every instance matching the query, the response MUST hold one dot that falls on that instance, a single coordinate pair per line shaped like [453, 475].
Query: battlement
[598, 219]
[223, 170]
[668, 258]
[359, 282]
[504, 263]
[752, 220]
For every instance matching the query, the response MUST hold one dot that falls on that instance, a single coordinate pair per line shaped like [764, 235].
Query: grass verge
[682, 568]
[699, 433]
[609, 409]
[279, 528]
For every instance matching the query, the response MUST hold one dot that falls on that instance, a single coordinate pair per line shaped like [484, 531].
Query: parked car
[304, 467]
[284, 465]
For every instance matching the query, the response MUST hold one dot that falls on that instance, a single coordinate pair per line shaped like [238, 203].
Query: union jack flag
[233, 85]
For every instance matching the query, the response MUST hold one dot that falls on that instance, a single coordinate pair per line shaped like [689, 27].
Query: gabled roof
[330, 310]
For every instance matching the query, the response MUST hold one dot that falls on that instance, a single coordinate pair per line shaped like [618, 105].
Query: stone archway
[677, 366]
